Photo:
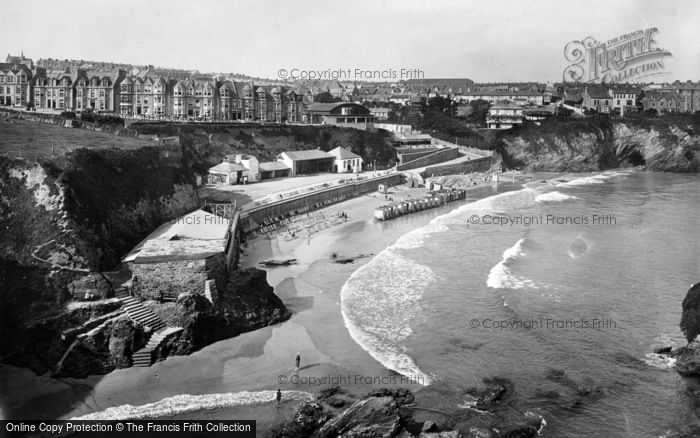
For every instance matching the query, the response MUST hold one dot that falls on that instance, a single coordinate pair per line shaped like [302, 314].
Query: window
[92, 94]
[2, 79]
[102, 93]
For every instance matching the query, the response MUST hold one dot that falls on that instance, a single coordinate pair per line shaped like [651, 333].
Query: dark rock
[371, 417]
[306, 420]
[328, 392]
[103, 350]
[518, 431]
[688, 362]
[491, 394]
[335, 402]
[401, 396]
[663, 350]
[430, 426]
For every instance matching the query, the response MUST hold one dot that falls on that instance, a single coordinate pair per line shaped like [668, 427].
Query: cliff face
[70, 215]
[588, 146]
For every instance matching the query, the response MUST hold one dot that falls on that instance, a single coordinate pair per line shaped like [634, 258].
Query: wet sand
[263, 359]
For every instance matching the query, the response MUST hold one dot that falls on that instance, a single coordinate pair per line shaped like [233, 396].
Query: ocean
[563, 286]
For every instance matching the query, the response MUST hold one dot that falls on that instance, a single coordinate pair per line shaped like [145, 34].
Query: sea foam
[184, 403]
[500, 276]
[660, 361]
[586, 180]
[554, 197]
[378, 302]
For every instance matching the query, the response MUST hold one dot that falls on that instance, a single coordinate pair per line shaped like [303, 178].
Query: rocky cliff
[668, 144]
[65, 217]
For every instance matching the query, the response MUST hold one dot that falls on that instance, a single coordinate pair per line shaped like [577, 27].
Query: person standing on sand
[279, 396]
[298, 362]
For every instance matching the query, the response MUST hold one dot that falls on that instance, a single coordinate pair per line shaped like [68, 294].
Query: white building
[504, 115]
[346, 161]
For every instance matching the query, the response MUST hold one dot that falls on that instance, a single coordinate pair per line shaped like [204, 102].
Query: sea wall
[439, 156]
[476, 165]
[256, 216]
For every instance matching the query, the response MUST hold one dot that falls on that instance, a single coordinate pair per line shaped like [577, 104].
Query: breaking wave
[184, 403]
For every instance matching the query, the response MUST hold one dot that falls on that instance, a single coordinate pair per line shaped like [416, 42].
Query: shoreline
[254, 361]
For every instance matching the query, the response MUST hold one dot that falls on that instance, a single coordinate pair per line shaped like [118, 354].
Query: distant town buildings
[149, 92]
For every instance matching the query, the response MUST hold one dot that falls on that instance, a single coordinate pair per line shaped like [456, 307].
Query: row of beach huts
[436, 199]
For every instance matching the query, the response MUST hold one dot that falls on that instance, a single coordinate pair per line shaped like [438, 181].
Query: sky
[486, 41]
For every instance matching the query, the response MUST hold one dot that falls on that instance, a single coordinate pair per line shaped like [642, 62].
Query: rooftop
[269, 166]
[227, 166]
[343, 154]
[313, 154]
[194, 236]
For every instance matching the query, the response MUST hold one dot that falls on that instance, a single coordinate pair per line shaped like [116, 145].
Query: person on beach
[279, 396]
[298, 362]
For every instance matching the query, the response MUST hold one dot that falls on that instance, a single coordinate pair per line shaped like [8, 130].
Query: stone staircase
[144, 357]
[145, 317]
[141, 314]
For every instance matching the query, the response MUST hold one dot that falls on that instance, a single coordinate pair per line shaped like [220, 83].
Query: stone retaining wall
[439, 156]
[256, 216]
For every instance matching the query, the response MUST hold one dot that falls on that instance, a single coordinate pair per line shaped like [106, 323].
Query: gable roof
[343, 154]
[227, 167]
[268, 166]
[313, 154]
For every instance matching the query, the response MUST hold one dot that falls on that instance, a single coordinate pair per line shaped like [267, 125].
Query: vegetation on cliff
[65, 216]
[210, 142]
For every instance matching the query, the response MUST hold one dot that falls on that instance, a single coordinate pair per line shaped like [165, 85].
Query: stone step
[152, 319]
[139, 312]
[136, 308]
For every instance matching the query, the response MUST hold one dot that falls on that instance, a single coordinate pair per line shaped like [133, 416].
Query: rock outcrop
[392, 414]
[248, 303]
[668, 145]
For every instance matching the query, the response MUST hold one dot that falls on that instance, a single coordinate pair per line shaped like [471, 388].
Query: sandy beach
[262, 360]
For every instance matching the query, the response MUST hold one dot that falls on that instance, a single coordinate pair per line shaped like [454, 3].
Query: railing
[309, 189]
